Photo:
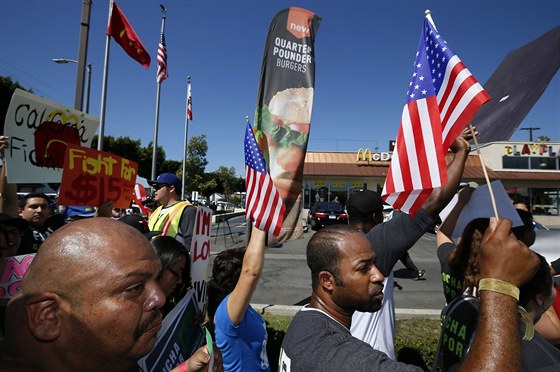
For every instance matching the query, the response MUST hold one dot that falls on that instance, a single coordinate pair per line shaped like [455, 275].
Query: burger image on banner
[284, 107]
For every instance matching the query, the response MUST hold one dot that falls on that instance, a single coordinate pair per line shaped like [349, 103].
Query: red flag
[442, 98]
[264, 205]
[189, 102]
[161, 60]
[124, 34]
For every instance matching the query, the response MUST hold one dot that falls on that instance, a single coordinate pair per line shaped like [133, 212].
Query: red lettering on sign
[204, 251]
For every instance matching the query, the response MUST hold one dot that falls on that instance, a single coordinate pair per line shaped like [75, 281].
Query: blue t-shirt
[243, 346]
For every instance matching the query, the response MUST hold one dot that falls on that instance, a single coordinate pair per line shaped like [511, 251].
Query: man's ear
[326, 279]
[44, 315]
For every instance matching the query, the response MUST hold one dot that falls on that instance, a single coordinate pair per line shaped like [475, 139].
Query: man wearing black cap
[173, 217]
[392, 239]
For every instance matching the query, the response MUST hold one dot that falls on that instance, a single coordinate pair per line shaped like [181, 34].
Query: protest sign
[11, 279]
[200, 255]
[284, 106]
[177, 340]
[39, 131]
[92, 177]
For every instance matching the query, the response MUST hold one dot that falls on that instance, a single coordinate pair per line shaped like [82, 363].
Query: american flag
[189, 101]
[441, 99]
[161, 61]
[264, 204]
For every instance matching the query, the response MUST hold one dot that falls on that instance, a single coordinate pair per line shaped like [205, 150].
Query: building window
[530, 162]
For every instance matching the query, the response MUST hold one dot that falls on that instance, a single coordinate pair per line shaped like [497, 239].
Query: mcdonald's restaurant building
[530, 173]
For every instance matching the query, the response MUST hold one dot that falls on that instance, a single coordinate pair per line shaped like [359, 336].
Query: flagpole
[485, 172]
[185, 153]
[154, 151]
[104, 87]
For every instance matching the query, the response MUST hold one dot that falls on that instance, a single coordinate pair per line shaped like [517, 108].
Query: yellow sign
[319, 184]
[366, 155]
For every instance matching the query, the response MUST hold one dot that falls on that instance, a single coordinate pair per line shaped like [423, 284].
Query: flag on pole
[441, 99]
[264, 205]
[161, 60]
[189, 102]
[124, 34]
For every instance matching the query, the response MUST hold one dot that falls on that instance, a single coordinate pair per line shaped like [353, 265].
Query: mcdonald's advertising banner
[284, 106]
[39, 131]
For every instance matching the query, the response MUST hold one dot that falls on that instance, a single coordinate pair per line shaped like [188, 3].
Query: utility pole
[82, 55]
[530, 129]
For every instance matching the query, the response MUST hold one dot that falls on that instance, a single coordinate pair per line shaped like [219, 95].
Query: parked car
[323, 214]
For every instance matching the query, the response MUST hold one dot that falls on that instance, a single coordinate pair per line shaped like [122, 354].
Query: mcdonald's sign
[367, 155]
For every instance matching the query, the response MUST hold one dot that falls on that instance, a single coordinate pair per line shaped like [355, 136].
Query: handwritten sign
[39, 131]
[11, 279]
[92, 177]
[177, 340]
[200, 255]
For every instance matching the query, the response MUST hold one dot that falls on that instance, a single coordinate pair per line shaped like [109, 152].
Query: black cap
[364, 203]
[6, 219]
[140, 224]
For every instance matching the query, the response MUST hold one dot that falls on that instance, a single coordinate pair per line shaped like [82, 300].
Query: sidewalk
[285, 310]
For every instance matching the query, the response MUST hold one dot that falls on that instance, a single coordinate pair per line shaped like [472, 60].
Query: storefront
[529, 171]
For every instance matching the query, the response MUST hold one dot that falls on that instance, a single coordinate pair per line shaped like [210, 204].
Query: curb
[286, 310]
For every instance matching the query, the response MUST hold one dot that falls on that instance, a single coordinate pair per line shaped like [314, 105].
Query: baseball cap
[364, 203]
[140, 224]
[76, 211]
[167, 179]
[6, 219]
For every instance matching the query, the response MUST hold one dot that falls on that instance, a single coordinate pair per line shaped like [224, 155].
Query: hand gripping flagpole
[185, 153]
[154, 150]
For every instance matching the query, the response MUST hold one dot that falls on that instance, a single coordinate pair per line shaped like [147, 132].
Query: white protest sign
[13, 273]
[200, 255]
[39, 131]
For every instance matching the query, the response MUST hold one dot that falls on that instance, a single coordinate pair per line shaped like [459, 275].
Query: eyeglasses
[158, 186]
[174, 273]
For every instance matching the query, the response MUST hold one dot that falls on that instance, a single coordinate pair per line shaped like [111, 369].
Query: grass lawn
[415, 339]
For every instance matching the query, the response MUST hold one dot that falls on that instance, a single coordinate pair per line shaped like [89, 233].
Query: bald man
[89, 301]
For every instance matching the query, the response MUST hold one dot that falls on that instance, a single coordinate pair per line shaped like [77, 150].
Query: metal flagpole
[154, 150]
[104, 87]
[185, 153]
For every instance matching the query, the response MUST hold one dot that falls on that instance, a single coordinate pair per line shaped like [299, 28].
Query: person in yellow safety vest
[173, 217]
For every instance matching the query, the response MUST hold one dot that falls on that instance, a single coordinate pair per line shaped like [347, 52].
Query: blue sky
[364, 54]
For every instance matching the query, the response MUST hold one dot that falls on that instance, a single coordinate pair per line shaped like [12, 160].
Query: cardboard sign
[92, 177]
[177, 340]
[39, 131]
[200, 255]
[11, 279]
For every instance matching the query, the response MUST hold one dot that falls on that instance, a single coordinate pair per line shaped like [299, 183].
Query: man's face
[117, 313]
[35, 211]
[362, 288]
[162, 193]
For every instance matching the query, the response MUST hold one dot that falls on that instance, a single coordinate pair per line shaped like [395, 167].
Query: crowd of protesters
[101, 282]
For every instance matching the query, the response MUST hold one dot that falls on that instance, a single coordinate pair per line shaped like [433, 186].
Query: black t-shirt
[391, 239]
[452, 279]
[33, 237]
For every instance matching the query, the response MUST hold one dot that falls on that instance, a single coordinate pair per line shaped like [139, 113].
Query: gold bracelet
[497, 285]
[529, 328]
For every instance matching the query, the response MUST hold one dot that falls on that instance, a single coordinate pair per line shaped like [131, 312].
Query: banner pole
[185, 153]
[484, 170]
[104, 86]
[156, 123]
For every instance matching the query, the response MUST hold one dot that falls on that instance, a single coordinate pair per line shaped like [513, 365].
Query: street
[286, 279]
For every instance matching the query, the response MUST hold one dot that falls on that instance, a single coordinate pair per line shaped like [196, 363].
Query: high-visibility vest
[167, 220]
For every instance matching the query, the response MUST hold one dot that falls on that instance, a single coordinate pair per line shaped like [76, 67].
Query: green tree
[196, 164]
[543, 138]
[7, 88]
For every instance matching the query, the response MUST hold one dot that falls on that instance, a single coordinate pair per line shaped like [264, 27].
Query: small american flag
[441, 99]
[161, 61]
[264, 204]
[189, 101]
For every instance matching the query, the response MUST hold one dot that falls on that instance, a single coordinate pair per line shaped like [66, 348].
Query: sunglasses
[159, 186]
